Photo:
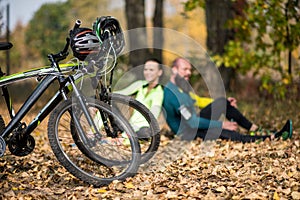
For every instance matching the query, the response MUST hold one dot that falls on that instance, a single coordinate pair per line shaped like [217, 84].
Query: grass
[272, 114]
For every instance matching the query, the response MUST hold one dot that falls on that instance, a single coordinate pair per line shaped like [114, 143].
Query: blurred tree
[266, 32]
[47, 30]
[18, 53]
[136, 19]
[2, 31]
[135, 15]
[218, 13]
[88, 10]
[264, 42]
[2, 12]
[158, 39]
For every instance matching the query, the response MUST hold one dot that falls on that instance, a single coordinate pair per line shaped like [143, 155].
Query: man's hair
[175, 63]
[177, 60]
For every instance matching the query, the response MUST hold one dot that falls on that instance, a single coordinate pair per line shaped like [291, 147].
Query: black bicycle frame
[55, 73]
[29, 103]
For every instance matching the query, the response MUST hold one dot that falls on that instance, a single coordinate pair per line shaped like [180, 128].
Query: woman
[148, 92]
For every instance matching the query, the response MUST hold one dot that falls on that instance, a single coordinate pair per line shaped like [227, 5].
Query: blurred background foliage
[254, 43]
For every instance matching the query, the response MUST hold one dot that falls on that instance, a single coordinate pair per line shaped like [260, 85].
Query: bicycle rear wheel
[150, 140]
[93, 158]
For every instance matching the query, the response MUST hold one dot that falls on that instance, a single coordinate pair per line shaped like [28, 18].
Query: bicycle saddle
[5, 45]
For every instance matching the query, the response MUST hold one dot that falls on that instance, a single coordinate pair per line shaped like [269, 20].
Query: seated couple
[178, 104]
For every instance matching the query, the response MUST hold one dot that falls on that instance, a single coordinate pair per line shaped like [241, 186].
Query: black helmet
[109, 33]
[84, 42]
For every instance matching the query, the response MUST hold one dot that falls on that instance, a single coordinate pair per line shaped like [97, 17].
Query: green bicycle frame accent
[42, 71]
[49, 76]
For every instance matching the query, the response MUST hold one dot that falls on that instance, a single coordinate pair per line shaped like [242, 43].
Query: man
[183, 120]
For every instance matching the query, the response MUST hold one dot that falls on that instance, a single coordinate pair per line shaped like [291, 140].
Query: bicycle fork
[81, 100]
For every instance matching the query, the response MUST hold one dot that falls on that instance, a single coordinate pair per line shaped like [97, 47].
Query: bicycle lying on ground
[72, 117]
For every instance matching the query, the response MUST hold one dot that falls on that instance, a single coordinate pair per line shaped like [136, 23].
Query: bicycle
[125, 105]
[121, 103]
[78, 110]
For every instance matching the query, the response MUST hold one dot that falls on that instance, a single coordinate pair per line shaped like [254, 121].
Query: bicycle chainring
[21, 147]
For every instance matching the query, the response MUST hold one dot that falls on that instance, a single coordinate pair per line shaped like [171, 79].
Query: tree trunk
[135, 16]
[158, 38]
[218, 12]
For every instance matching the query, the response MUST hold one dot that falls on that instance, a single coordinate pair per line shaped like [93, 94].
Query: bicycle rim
[91, 158]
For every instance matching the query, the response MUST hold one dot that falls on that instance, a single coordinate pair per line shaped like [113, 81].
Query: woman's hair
[155, 60]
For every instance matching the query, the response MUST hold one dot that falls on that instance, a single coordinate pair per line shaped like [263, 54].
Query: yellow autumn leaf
[129, 185]
[101, 190]
[276, 196]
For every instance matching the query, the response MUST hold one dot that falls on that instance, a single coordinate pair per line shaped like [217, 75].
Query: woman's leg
[221, 106]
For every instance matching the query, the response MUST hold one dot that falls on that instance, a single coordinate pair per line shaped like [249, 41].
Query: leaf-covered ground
[202, 170]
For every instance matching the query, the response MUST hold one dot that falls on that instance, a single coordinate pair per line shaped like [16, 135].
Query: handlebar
[64, 53]
[77, 24]
[61, 55]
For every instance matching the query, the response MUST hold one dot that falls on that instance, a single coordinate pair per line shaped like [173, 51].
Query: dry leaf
[295, 195]
[276, 196]
[129, 185]
[268, 170]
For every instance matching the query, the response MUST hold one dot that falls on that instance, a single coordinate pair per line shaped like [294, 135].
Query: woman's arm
[156, 105]
[132, 88]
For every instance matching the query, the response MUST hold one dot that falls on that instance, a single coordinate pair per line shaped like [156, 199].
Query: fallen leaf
[295, 195]
[276, 196]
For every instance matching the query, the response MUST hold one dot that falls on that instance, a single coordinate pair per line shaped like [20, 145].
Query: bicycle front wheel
[93, 156]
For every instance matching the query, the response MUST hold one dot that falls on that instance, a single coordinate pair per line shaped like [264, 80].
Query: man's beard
[183, 84]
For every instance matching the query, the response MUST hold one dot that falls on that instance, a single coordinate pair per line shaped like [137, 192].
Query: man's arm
[196, 122]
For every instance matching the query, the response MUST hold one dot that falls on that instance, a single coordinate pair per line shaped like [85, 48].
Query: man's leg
[236, 136]
[228, 135]
[220, 106]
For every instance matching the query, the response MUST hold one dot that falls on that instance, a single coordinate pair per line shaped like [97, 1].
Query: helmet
[84, 42]
[109, 33]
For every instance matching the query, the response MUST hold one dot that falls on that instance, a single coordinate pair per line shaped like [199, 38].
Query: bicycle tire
[85, 165]
[2, 124]
[111, 126]
[150, 146]
[2, 141]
